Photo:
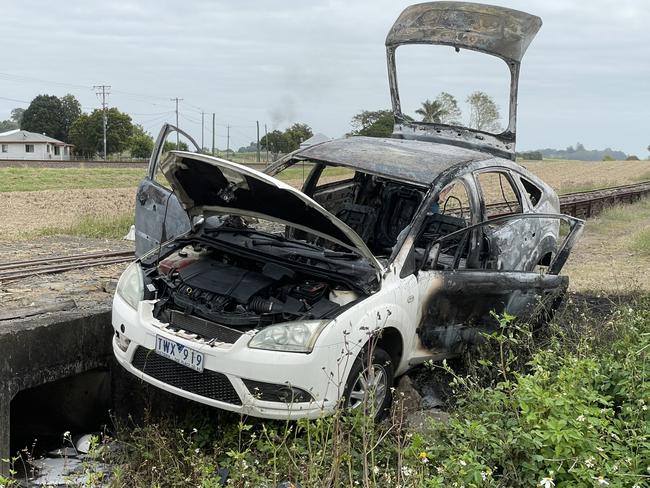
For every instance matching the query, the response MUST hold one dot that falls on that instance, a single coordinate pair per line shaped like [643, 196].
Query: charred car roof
[410, 161]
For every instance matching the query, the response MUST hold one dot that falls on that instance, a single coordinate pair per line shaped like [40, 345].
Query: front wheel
[369, 385]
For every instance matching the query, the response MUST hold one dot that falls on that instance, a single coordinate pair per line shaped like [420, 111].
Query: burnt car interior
[376, 208]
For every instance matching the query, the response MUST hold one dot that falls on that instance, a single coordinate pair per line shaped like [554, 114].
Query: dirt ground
[23, 213]
[88, 287]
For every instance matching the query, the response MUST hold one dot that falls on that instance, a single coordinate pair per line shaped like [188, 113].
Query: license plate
[179, 353]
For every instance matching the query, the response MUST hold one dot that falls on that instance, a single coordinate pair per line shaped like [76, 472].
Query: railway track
[56, 264]
[585, 204]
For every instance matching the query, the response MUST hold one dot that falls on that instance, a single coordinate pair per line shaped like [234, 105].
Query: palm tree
[431, 111]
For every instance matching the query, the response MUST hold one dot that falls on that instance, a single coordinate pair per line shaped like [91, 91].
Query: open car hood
[207, 185]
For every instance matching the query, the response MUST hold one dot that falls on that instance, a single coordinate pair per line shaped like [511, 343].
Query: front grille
[204, 328]
[209, 384]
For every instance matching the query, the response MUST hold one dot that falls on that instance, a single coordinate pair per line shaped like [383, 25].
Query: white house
[20, 144]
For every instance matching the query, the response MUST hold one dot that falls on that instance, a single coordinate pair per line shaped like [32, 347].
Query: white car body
[395, 274]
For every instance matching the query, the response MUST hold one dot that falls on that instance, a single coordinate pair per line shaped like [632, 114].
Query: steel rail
[63, 259]
[16, 274]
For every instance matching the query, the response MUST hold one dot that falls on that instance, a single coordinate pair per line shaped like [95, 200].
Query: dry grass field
[572, 176]
[85, 201]
[613, 254]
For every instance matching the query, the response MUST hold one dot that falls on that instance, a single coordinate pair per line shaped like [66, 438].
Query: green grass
[641, 242]
[112, 227]
[29, 179]
[618, 216]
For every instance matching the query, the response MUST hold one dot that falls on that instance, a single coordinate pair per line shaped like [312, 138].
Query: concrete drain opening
[42, 416]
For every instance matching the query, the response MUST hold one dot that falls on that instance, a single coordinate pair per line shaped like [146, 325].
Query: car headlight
[131, 285]
[289, 336]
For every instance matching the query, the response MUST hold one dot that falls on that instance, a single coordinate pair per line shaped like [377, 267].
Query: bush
[632, 157]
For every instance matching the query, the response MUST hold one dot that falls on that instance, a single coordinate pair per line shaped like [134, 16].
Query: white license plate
[179, 353]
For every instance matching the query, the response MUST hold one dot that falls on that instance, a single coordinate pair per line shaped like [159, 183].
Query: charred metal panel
[414, 162]
[462, 299]
[489, 29]
[499, 31]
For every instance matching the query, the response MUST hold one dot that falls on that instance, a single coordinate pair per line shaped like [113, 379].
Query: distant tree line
[580, 153]
[483, 115]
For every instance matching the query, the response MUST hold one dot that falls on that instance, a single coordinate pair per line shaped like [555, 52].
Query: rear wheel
[369, 385]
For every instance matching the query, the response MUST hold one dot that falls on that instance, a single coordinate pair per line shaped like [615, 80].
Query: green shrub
[565, 407]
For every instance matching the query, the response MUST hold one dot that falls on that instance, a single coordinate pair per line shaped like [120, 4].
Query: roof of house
[24, 136]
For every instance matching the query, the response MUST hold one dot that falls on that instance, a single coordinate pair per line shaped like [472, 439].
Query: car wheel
[369, 385]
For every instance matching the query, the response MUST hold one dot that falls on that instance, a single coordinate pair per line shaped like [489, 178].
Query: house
[21, 144]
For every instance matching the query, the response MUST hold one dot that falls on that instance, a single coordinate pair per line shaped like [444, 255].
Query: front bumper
[226, 366]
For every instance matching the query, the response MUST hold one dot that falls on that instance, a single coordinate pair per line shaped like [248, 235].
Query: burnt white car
[256, 297]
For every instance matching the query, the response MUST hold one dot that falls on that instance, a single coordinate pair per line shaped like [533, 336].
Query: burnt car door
[459, 297]
[158, 214]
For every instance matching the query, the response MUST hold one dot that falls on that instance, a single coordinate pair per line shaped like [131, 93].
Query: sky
[585, 77]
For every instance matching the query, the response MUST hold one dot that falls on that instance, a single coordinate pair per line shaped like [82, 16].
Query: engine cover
[225, 280]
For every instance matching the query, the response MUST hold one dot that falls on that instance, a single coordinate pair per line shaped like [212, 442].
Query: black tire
[382, 366]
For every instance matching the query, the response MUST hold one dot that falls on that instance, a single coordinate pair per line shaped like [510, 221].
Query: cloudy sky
[585, 78]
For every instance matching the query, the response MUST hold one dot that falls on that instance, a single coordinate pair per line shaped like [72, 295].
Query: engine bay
[238, 293]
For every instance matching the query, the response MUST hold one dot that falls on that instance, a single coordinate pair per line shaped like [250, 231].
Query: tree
[140, 143]
[483, 112]
[277, 142]
[451, 114]
[377, 123]
[6, 125]
[171, 146]
[17, 115]
[431, 112]
[86, 132]
[84, 136]
[296, 134]
[45, 116]
[71, 110]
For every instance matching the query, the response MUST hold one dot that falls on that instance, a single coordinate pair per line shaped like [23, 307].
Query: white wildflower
[462, 463]
[580, 418]
[589, 462]
[546, 483]
[601, 481]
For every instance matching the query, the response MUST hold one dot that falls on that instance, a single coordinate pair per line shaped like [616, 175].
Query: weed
[108, 227]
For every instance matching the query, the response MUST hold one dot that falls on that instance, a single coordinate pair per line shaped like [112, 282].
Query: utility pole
[177, 135]
[266, 134]
[258, 140]
[104, 90]
[228, 142]
[202, 130]
[213, 133]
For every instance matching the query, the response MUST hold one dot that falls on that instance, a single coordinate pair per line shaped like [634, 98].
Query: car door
[509, 240]
[158, 214]
[457, 301]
